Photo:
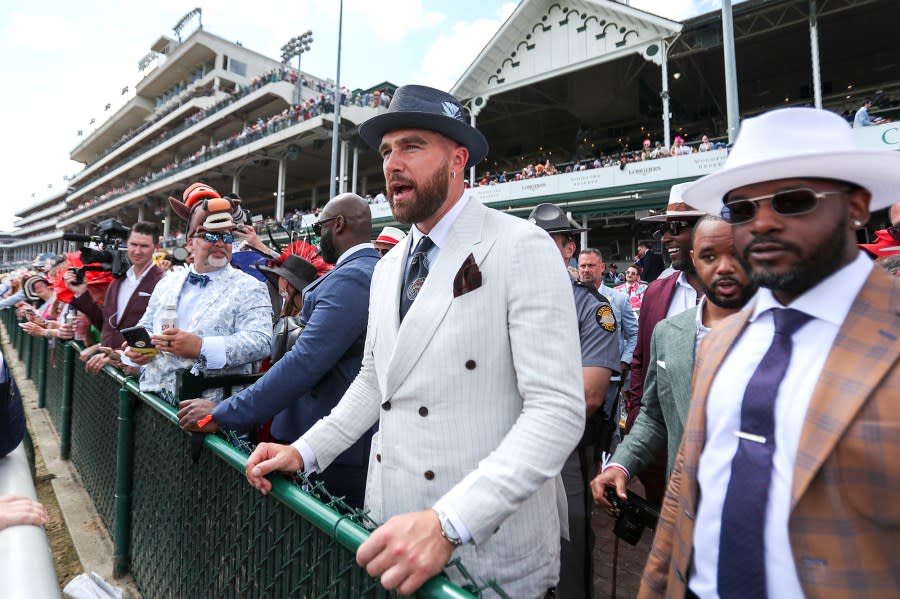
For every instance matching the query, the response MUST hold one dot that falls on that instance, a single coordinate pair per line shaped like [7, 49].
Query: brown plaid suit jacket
[845, 518]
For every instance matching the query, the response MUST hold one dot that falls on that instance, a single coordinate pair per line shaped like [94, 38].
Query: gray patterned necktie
[415, 275]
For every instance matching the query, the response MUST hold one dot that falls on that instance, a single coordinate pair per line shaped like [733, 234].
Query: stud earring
[857, 223]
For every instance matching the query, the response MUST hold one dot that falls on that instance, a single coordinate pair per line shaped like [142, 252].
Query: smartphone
[139, 340]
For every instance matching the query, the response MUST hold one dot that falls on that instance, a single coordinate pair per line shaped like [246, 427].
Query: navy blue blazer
[309, 380]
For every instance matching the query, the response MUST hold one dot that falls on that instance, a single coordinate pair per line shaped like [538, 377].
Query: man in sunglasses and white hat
[786, 483]
[224, 316]
[665, 297]
[468, 372]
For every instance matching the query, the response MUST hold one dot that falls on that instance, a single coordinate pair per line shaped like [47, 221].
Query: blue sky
[64, 61]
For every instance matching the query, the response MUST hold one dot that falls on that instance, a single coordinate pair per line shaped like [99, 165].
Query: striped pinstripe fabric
[479, 398]
[845, 519]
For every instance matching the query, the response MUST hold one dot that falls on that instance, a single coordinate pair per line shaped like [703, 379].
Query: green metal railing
[185, 529]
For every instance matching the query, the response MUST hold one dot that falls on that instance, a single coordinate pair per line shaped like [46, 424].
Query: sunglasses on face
[317, 226]
[225, 238]
[790, 202]
[673, 227]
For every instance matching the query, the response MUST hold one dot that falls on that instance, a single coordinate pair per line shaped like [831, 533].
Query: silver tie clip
[755, 438]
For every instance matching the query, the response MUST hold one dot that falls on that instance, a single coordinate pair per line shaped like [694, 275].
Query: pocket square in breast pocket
[468, 277]
[661, 364]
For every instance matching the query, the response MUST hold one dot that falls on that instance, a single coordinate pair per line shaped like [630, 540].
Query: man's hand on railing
[271, 457]
[406, 551]
[33, 329]
[16, 510]
[178, 342]
[96, 363]
[191, 411]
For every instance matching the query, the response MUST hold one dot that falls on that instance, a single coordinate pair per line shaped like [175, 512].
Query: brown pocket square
[468, 277]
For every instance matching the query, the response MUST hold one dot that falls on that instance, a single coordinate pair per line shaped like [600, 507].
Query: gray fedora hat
[552, 219]
[298, 272]
[421, 107]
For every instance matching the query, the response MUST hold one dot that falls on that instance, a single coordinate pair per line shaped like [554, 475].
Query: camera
[632, 515]
[112, 255]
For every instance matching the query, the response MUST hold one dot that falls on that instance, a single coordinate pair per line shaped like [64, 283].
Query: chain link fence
[197, 529]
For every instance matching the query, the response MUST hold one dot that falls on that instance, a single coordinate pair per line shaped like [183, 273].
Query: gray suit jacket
[667, 393]
[479, 398]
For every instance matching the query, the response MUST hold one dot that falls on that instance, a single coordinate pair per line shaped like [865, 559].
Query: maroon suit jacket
[653, 309]
[101, 317]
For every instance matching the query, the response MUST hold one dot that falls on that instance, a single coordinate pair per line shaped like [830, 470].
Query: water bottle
[169, 318]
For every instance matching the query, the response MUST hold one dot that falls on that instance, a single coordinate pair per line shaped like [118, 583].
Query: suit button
[386, 406]
[470, 364]
[429, 475]
[378, 456]
[423, 411]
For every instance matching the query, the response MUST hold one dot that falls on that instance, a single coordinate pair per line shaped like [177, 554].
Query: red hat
[885, 245]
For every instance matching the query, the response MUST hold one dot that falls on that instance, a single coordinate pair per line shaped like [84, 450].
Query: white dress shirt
[683, 298]
[829, 302]
[127, 286]
[702, 329]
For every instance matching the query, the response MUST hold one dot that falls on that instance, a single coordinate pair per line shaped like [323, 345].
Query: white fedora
[799, 143]
[676, 208]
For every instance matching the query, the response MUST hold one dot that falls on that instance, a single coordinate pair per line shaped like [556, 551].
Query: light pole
[296, 46]
[335, 130]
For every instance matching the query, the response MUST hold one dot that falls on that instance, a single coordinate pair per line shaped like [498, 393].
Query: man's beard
[430, 197]
[730, 303]
[684, 263]
[217, 262]
[326, 247]
[822, 261]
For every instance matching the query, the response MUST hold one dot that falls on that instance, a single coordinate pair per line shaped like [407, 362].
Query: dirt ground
[65, 559]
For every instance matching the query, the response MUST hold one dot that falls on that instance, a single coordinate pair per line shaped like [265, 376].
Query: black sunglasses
[317, 226]
[216, 237]
[790, 202]
[674, 227]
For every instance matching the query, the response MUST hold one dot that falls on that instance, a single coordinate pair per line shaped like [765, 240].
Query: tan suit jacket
[845, 515]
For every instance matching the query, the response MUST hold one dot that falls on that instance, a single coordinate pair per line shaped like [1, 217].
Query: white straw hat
[791, 143]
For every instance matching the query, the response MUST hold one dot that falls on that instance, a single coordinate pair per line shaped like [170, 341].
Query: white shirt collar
[682, 280]
[830, 300]
[440, 231]
[356, 248]
[135, 279]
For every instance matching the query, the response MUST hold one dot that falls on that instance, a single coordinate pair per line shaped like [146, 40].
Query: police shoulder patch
[606, 319]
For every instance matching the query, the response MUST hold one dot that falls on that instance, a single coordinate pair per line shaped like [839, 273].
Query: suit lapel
[141, 287]
[679, 344]
[850, 374]
[435, 297]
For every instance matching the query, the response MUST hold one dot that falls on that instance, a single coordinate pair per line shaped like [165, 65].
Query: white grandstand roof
[543, 39]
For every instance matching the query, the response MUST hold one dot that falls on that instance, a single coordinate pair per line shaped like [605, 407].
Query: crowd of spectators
[649, 151]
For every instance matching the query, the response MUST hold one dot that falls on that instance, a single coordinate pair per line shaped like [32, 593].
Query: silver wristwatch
[448, 530]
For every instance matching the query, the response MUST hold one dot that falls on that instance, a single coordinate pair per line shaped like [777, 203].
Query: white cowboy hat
[676, 208]
[793, 143]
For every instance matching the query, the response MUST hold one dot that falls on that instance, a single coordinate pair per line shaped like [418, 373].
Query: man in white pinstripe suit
[477, 389]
